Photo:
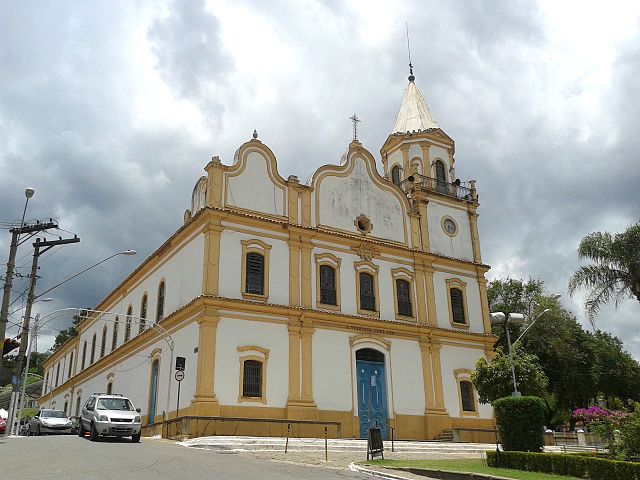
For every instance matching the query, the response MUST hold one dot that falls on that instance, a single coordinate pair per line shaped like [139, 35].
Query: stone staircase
[445, 436]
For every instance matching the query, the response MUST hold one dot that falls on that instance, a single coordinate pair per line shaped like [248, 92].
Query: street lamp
[555, 296]
[515, 319]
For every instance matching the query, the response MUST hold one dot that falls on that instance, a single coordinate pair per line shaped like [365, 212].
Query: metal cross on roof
[354, 118]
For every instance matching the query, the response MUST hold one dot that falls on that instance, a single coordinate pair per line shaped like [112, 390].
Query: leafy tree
[37, 360]
[493, 378]
[64, 335]
[615, 274]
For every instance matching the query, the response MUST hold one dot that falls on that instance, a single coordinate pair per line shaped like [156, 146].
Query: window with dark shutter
[367, 292]
[93, 349]
[395, 175]
[255, 274]
[70, 365]
[328, 285]
[466, 393]
[160, 309]
[403, 292]
[103, 345]
[127, 326]
[252, 379]
[84, 354]
[143, 314]
[441, 177]
[114, 340]
[457, 305]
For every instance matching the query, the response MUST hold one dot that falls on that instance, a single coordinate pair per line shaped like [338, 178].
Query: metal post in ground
[326, 453]
[286, 443]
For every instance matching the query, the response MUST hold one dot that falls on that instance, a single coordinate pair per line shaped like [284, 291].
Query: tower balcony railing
[457, 189]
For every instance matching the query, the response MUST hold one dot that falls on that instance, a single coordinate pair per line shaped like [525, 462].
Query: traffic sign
[179, 375]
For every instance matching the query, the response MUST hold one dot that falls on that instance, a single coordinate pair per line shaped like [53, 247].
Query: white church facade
[355, 299]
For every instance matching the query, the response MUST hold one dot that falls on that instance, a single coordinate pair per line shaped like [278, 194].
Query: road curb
[375, 473]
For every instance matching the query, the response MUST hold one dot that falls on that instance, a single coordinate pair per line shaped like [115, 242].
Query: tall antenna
[411, 77]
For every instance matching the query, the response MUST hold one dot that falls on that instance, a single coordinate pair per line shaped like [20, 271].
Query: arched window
[153, 391]
[84, 354]
[367, 292]
[369, 355]
[78, 405]
[395, 175]
[109, 388]
[441, 177]
[127, 324]
[57, 374]
[328, 285]
[457, 305]
[160, 308]
[114, 339]
[93, 349]
[466, 394]
[254, 273]
[70, 365]
[103, 346]
[403, 294]
[66, 405]
[143, 313]
[252, 379]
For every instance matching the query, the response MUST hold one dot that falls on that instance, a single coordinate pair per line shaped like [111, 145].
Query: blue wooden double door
[372, 391]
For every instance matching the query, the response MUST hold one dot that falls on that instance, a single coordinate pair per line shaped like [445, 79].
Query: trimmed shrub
[520, 422]
[572, 465]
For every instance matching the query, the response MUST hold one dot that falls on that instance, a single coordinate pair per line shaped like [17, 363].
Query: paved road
[70, 457]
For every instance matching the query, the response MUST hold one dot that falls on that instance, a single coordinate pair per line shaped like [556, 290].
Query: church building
[356, 299]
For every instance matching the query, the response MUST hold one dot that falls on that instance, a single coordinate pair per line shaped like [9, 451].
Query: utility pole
[8, 281]
[24, 339]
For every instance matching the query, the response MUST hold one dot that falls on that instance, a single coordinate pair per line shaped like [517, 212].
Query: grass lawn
[466, 465]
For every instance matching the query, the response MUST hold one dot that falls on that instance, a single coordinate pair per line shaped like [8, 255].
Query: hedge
[520, 423]
[571, 465]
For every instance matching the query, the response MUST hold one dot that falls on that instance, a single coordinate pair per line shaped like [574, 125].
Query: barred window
[395, 174]
[160, 309]
[127, 325]
[103, 346]
[457, 305]
[328, 285]
[254, 273]
[70, 365]
[403, 293]
[252, 379]
[114, 340]
[143, 314]
[367, 292]
[57, 374]
[93, 349]
[84, 354]
[466, 393]
[441, 177]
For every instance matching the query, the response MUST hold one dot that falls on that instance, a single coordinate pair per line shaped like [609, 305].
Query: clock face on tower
[449, 226]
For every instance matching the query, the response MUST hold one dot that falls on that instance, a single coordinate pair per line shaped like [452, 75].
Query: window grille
[457, 305]
[143, 314]
[127, 326]
[93, 349]
[328, 285]
[114, 340]
[254, 274]
[403, 292]
[466, 393]
[252, 379]
[367, 292]
[441, 177]
[395, 175]
[84, 354]
[369, 355]
[160, 310]
[103, 347]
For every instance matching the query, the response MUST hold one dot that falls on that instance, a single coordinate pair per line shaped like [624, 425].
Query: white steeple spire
[414, 113]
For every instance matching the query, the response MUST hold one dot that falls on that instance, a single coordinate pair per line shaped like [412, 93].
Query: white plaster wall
[254, 190]
[343, 199]
[233, 333]
[231, 266]
[408, 384]
[474, 306]
[454, 358]
[415, 151]
[132, 375]
[332, 384]
[459, 246]
[393, 159]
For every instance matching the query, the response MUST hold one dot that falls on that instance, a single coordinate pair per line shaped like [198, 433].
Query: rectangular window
[255, 273]
[367, 292]
[457, 305]
[328, 285]
[403, 292]
[252, 379]
[466, 393]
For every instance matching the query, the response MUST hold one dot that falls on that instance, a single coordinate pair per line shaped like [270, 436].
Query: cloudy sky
[111, 109]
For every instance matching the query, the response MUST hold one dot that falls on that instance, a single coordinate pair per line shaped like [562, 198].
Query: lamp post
[8, 280]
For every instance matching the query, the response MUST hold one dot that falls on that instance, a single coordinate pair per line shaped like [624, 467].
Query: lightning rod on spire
[411, 77]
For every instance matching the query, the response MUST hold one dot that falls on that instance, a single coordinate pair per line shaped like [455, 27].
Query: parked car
[111, 415]
[49, 421]
[75, 424]
[3, 424]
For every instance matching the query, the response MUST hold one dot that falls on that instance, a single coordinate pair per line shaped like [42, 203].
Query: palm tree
[615, 274]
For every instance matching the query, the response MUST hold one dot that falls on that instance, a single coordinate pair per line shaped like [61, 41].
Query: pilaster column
[437, 374]
[204, 401]
[306, 248]
[294, 361]
[424, 226]
[307, 361]
[427, 376]
[432, 318]
[405, 159]
[215, 171]
[426, 161]
[211, 273]
[294, 271]
[421, 293]
[484, 302]
[475, 239]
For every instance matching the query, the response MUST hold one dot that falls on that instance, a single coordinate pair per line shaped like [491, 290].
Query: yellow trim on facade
[260, 355]
[372, 269]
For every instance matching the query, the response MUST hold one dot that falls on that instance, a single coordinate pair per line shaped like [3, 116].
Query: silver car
[110, 415]
[49, 421]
